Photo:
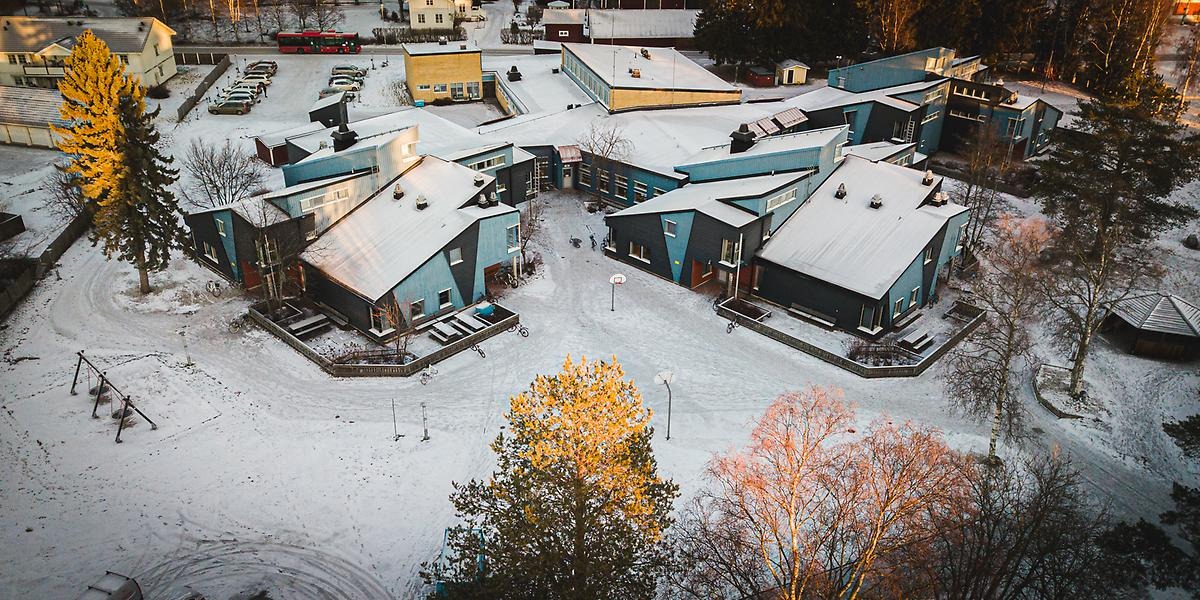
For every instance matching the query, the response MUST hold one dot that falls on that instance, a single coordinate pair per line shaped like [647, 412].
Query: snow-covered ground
[267, 474]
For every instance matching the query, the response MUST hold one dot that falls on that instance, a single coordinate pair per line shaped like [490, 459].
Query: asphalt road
[368, 49]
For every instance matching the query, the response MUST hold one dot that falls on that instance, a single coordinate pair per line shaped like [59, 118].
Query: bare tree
[825, 510]
[531, 225]
[327, 14]
[393, 315]
[1187, 66]
[890, 23]
[63, 197]
[221, 175]
[278, 242]
[983, 373]
[988, 163]
[607, 144]
[277, 15]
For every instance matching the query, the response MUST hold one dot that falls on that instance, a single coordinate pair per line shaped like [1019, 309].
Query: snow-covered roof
[279, 138]
[1161, 313]
[710, 198]
[436, 136]
[830, 97]
[431, 48]
[845, 242]
[791, 62]
[666, 69]
[383, 241]
[877, 151]
[35, 107]
[256, 210]
[32, 34]
[636, 24]
[329, 100]
[564, 16]
[310, 185]
[815, 138]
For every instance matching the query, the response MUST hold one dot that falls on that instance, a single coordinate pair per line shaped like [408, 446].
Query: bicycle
[238, 322]
[476, 348]
[519, 328]
[214, 288]
[427, 374]
[730, 327]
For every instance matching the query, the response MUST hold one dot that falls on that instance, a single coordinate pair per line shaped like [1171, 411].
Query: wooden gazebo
[1156, 324]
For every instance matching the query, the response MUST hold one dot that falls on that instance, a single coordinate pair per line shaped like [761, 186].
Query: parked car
[229, 107]
[248, 88]
[348, 85]
[257, 78]
[348, 70]
[258, 86]
[325, 93]
[263, 65]
[237, 97]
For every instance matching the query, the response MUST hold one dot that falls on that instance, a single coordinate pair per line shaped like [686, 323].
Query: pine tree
[576, 508]
[92, 90]
[139, 219]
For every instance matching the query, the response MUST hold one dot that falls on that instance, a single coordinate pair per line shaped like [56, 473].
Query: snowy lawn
[266, 474]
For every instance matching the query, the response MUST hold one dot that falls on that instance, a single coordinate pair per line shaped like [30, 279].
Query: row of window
[312, 203]
[641, 191]
[589, 80]
[969, 92]
[457, 90]
[491, 163]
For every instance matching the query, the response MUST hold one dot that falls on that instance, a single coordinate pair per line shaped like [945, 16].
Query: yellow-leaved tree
[112, 146]
[575, 508]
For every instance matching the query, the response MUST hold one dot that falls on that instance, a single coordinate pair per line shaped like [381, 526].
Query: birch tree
[220, 175]
[892, 23]
[984, 372]
[1187, 66]
[824, 511]
[607, 145]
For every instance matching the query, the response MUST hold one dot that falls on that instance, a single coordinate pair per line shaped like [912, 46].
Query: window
[838, 152]
[866, 317]
[156, 49]
[444, 299]
[416, 310]
[851, 118]
[659, 191]
[610, 242]
[314, 202]
[210, 252]
[962, 90]
[563, 33]
[914, 296]
[473, 90]
[766, 228]
[730, 252]
[639, 252]
[585, 175]
[456, 90]
[1014, 128]
[455, 256]
[439, 88]
[500, 187]
[12, 59]
[962, 237]
[491, 163]
[931, 116]
[929, 255]
[933, 96]
[603, 179]
[423, 87]
[639, 191]
[622, 186]
[428, 2]
[781, 199]
[221, 227]
[530, 189]
[669, 227]
[438, 18]
[379, 320]
[514, 237]
[899, 308]
[962, 114]
[420, 17]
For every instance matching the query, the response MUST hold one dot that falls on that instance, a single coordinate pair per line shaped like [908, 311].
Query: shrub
[158, 92]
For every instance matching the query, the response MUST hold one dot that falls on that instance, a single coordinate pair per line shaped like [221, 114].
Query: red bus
[318, 42]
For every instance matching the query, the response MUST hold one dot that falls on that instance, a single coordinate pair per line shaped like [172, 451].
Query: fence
[22, 283]
[508, 319]
[405, 35]
[837, 360]
[201, 89]
[200, 58]
[10, 225]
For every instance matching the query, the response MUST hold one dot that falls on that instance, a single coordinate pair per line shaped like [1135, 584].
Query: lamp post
[615, 280]
[665, 378]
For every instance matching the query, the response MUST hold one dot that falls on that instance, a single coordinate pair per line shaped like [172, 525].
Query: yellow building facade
[444, 72]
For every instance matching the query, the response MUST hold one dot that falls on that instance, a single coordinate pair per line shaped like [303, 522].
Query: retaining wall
[198, 94]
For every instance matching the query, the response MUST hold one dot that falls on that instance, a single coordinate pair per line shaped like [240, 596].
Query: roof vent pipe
[876, 201]
[928, 179]
[422, 202]
[479, 181]
[841, 191]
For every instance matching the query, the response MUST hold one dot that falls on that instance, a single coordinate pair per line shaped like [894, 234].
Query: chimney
[940, 199]
[876, 201]
[841, 191]
[928, 179]
[743, 139]
[343, 138]
[482, 201]
[397, 192]
[422, 202]
[442, 41]
[462, 46]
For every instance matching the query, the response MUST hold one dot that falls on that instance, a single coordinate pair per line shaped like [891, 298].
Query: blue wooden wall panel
[677, 246]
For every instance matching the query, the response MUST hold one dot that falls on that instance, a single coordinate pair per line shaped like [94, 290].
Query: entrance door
[787, 75]
[568, 177]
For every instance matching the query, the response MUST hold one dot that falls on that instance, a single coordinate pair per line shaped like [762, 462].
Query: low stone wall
[405, 370]
[1037, 393]
[837, 360]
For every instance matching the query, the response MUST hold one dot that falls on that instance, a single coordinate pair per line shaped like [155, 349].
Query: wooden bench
[309, 327]
[916, 341]
[906, 320]
[807, 314]
[443, 333]
[469, 321]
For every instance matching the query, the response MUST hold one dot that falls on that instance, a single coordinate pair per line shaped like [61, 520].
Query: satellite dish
[667, 377]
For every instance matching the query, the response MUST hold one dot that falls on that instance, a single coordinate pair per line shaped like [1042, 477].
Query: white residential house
[441, 14]
[32, 49]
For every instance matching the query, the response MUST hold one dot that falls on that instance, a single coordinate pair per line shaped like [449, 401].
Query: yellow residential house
[441, 14]
[32, 49]
[444, 71]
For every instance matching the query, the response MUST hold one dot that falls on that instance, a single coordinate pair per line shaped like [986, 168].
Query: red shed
[272, 147]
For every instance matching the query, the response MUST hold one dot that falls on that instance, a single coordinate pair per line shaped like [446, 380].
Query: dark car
[268, 66]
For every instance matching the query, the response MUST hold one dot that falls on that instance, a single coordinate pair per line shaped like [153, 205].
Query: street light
[665, 378]
[615, 280]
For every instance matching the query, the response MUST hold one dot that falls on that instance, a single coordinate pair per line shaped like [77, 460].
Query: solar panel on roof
[789, 117]
[767, 125]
